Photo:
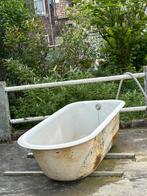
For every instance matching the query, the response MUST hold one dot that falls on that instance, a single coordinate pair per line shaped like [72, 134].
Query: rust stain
[66, 153]
[80, 178]
[96, 141]
[114, 138]
[97, 161]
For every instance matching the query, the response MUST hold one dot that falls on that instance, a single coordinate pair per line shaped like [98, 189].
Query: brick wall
[61, 8]
[58, 18]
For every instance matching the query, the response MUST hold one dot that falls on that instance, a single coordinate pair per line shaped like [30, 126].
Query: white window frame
[43, 13]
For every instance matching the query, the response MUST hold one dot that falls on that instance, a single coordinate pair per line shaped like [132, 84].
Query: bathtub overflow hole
[98, 106]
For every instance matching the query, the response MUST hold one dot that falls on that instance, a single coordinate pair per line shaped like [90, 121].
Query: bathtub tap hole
[98, 106]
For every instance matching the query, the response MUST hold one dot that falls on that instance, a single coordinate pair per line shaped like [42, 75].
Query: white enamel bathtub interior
[72, 125]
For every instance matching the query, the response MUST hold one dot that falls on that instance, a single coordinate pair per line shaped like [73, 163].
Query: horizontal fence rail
[28, 119]
[40, 118]
[72, 82]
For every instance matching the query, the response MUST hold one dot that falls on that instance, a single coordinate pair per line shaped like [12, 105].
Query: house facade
[53, 14]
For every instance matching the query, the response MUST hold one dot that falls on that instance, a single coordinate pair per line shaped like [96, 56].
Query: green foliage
[12, 14]
[47, 101]
[16, 73]
[75, 51]
[25, 57]
[21, 39]
[133, 98]
[121, 24]
[140, 54]
[26, 43]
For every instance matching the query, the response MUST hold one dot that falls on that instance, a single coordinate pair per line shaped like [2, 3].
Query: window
[50, 1]
[40, 7]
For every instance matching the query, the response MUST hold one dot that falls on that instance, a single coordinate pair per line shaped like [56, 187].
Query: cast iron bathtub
[71, 143]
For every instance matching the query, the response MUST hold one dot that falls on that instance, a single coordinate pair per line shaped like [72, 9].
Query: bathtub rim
[22, 142]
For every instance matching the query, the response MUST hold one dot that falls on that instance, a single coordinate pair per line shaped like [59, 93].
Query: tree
[75, 50]
[121, 24]
[22, 39]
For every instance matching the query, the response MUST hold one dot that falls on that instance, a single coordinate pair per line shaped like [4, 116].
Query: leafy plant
[76, 50]
[47, 101]
[21, 39]
[120, 23]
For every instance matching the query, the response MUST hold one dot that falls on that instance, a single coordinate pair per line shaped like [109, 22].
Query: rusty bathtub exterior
[78, 161]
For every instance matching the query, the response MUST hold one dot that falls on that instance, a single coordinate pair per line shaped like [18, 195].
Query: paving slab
[133, 183]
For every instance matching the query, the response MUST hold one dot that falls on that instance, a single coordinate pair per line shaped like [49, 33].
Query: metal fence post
[5, 127]
[145, 82]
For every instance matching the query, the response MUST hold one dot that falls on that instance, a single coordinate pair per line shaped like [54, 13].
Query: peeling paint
[78, 161]
[97, 161]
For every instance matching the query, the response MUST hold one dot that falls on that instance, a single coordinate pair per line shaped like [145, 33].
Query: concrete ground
[133, 183]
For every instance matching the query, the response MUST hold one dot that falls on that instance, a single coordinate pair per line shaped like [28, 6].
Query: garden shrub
[46, 101]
